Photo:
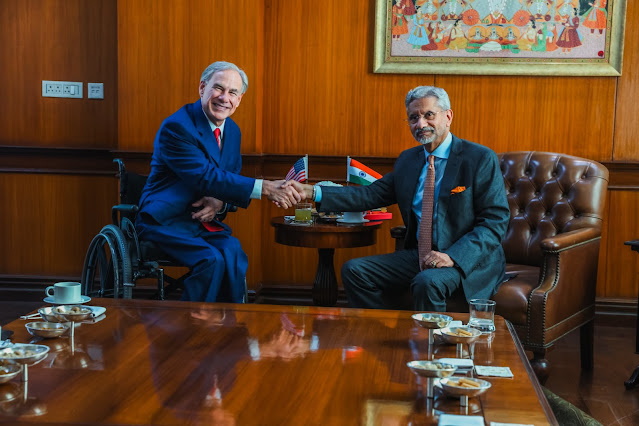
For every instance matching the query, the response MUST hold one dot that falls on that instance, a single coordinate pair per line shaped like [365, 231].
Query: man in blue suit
[194, 178]
[470, 216]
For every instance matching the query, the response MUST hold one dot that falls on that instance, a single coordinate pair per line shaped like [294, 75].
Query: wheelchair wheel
[107, 265]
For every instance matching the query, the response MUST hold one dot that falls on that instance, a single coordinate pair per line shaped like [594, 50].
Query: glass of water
[482, 315]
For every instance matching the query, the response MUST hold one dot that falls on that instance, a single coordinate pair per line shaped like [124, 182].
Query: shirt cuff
[318, 194]
[257, 190]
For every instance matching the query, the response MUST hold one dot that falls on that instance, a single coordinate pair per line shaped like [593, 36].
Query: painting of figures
[507, 36]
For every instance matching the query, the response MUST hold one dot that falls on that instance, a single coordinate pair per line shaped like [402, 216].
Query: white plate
[83, 299]
[353, 223]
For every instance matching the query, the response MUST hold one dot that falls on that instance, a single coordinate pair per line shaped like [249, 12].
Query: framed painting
[493, 37]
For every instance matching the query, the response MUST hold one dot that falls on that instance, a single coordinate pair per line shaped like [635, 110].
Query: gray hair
[223, 66]
[438, 93]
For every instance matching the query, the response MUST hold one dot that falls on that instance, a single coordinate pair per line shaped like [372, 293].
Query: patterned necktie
[425, 241]
[217, 132]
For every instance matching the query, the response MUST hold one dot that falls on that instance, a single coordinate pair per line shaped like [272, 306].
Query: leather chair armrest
[567, 287]
[570, 239]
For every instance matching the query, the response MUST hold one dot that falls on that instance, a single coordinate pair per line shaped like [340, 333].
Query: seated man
[195, 165]
[462, 201]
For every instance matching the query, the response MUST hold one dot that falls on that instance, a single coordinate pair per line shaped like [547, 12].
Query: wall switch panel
[61, 89]
[95, 90]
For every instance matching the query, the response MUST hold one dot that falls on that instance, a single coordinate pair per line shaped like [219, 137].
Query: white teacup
[353, 217]
[65, 292]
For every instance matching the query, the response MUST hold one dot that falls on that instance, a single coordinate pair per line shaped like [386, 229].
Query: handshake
[285, 193]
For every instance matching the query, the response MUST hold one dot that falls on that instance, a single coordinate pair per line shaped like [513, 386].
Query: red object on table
[378, 216]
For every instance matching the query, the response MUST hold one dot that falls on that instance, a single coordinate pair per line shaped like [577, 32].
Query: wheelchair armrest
[226, 208]
[122, 208]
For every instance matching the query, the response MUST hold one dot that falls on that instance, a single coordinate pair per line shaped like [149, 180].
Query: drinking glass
[303, 213]
[482, 315]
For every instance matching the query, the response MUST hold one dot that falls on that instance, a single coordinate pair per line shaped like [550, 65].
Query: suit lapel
[230, 140]
[410, 180]
[206, 134]
[450, 178]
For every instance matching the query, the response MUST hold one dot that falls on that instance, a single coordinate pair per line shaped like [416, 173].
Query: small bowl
[431, 368]
[48, 330]
[72, 312]
[8, 372]
[450, 335]
[24, 354]
[432, 320]
[451, 387]
[49, 315]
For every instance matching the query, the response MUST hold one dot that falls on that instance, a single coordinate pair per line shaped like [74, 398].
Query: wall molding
[624, 175]
[14, 159]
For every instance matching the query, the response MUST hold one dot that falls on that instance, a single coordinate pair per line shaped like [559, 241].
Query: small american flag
[299, 170]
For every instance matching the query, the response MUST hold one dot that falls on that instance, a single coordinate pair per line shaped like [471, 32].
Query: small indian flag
[359, 173]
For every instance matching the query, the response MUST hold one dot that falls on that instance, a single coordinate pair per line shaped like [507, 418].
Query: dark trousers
[216, 259]
[387, 281]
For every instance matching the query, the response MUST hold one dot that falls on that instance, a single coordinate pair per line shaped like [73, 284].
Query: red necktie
[212, 226]
[217, 132]
[425, 241]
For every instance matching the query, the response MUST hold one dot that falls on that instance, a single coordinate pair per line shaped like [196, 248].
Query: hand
[285, 345]
[210, 207]
[284, 196]
[302, 188]
[436, 259]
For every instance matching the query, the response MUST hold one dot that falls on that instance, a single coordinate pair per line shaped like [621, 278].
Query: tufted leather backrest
[549, 194]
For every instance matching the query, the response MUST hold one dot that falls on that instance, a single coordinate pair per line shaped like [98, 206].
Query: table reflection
[15, 401]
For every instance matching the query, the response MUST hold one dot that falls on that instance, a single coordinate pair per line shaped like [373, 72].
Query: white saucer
[83, 299]
[353, 223]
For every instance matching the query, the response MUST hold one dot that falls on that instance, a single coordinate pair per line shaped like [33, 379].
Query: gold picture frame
[500, 37]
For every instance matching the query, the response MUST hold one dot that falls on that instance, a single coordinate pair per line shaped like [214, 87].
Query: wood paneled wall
[311, 91]
[70, 40]
[163, 47]
[52, 219]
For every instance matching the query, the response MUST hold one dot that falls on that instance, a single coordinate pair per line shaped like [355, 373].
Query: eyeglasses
[428, 115]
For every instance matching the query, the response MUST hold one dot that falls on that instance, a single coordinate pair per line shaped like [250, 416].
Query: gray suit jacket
[470, 223]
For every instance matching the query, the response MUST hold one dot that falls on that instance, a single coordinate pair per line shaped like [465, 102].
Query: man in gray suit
[470, 216]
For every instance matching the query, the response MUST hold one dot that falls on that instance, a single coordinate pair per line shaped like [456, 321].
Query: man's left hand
[436, 259]
[210, 207]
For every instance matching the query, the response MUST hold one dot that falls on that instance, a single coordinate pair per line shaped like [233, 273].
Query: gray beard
[426, 140]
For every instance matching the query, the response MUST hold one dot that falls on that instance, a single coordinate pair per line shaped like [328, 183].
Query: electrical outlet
[95, 90]
[51, 88]
[62, 89]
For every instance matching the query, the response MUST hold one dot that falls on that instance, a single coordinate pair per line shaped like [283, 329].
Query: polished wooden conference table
[168, 362]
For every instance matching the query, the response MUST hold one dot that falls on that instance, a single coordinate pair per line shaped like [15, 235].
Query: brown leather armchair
[552, 245]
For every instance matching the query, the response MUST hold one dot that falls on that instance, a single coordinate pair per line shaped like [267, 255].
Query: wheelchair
[117, 258]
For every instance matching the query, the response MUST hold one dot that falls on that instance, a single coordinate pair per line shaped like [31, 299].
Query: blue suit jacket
[470, 224]
[187, 164]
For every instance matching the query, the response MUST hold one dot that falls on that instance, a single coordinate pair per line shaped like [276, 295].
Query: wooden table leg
[325, 284]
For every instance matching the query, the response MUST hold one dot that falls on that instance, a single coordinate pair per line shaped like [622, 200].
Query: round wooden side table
[325, 237]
